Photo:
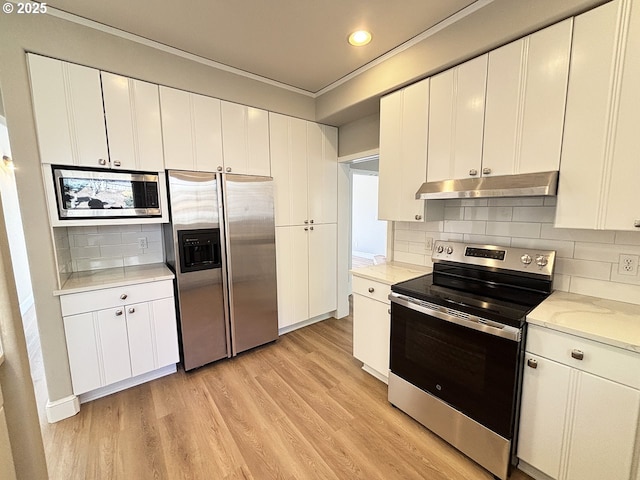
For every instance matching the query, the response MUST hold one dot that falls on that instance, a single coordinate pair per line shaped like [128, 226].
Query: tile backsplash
[587, 260]
[96, 247]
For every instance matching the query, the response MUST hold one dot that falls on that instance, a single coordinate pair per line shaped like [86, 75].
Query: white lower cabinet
[580, 406]
[371, 326]
[109, 345]
[307, 272]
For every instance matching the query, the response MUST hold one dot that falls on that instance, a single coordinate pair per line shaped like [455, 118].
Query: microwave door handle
[473, 322]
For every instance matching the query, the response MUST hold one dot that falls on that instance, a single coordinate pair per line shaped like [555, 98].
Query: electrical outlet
[628, 265]
[142, 242]
[428, 244]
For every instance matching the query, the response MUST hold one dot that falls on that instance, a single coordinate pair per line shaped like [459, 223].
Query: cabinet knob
[310, 228]
[418, 217]
[389, 311]
[102, 161]
[306, 221]
[577, 354]
[117, 163]
[228, 169]
[371, 289]
[132, 310]
[636, 224]
[123, 296]
[473, 172]
[118, 313]
[486, 171]
[532, 363]
[310, 221]
[306, 229]
[219, 168]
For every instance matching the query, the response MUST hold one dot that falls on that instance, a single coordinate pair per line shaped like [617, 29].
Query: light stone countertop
[606, 321]
[114, 277]
[392, 272]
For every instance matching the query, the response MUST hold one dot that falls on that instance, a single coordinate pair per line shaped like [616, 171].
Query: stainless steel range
[457, 345]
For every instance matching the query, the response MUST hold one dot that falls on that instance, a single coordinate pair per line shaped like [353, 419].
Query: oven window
[473, 371]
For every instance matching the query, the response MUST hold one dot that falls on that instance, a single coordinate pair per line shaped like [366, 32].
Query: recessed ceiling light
[359, 38]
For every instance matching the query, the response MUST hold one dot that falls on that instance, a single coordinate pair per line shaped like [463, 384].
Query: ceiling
[299, 43]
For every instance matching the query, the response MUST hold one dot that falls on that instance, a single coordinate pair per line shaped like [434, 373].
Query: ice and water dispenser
[199, 249]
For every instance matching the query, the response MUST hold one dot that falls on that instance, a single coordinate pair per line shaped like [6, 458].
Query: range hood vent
[523, 185]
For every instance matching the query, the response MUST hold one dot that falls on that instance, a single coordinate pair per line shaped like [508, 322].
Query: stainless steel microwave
[94, 193]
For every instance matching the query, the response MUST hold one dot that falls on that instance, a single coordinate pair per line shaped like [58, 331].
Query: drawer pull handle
[371, 289]
[577, 354]
[123, 296]
[132, 310]
[532, 363]
[118, 313]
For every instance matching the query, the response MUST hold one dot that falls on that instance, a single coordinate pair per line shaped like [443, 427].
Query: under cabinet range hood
[522, 185]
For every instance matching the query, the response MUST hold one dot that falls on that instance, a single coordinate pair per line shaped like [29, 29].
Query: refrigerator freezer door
[195, 207]
[251, 260]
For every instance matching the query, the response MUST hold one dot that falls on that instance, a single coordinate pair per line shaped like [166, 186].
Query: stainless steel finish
[371, 289]
[123, 296]
[577, 354]
[418, 217]
[228, 169]
[473, 172]
[541, 260]
[219, 168]
[132, 310]
[102, 161]
[251, 260]
[117, 163]
[532, 363]
[473, 439]
[528, 184]
[119, 313]
[202, 302]
[514, 259]
[459, 318]
[486, 171]
[97, 175]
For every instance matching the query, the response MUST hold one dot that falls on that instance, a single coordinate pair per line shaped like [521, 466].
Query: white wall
[369, 235]
[13, 221]
[587, 260]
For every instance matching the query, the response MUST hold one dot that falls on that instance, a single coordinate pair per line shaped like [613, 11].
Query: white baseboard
[532, 471]
[128, 383]
[304, 323]
[375, 373]
[64, 408]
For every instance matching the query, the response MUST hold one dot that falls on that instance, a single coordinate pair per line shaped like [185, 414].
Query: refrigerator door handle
[227, 274]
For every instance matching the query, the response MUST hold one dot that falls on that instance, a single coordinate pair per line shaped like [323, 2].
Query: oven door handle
[453, 316]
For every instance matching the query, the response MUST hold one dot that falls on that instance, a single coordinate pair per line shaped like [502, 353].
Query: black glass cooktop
[473, 292]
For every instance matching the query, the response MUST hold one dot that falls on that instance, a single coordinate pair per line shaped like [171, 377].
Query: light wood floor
[300, 408]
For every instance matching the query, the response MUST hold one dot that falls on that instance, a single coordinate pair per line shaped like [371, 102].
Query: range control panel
[507, 258]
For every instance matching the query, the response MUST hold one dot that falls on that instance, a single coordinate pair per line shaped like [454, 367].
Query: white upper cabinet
[305, 171]
[245, 139]
[599, 170]
[132, 113]
[456, 121]
[192, 131]
[67, 105]
[525, 103]
[404, 123]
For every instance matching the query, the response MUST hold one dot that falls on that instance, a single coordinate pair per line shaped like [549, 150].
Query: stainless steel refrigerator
[221, 245]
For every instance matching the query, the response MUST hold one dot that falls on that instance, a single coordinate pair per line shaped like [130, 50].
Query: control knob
[526, 259]
[449, 250]
[440, 249]
[541, 260]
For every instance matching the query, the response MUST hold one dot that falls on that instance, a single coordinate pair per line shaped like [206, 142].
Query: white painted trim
[26, 304]
[372, 154]
[304, 323]
[375, 373]
[54, 12]
[532, 471]
[344, 240]
[128, 383]
[60, 409]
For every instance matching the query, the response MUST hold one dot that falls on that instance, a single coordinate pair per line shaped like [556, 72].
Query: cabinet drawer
[614, 363]
[369, 288]
[75, 303]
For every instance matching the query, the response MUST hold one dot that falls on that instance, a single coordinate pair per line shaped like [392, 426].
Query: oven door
[467, 362]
